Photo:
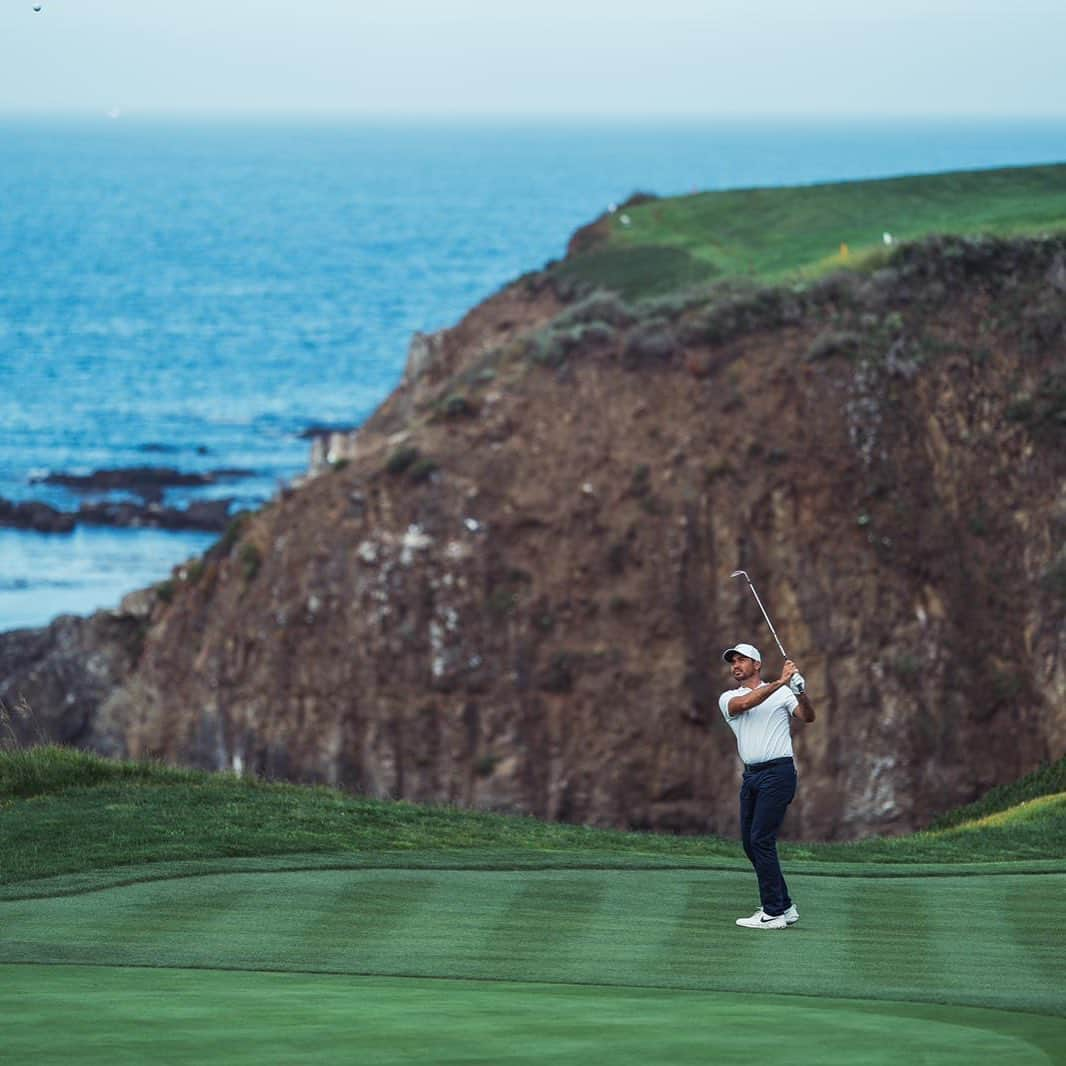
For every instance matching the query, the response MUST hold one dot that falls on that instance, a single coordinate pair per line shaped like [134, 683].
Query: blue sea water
[195, 295]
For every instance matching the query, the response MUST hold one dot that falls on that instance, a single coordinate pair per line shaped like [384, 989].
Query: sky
[716, 59]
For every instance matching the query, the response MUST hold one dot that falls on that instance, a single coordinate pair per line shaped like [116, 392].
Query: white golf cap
[743, 649]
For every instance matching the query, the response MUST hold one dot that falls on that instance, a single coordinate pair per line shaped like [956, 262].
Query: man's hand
[797, 684]
[787, 672]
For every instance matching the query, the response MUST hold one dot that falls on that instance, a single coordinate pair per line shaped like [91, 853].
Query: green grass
[783, 234]
[252, 1019]
[148, 813]
[151, 911]
[526, 966]
[143, 813]
[70, 812]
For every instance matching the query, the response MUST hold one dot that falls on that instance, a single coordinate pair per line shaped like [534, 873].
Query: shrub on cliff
[401, 459]
[251, 561]
[675, 304]
[456, 405]
[734, 310]
[422, 469]
[553, 345]
[234, 531]
[650, 342]
[832, 342]
[1042, 411]
[599, 307]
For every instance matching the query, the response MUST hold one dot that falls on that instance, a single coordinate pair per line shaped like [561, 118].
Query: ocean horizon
[197, 294]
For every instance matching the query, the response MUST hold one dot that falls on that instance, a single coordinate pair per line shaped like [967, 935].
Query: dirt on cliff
[510, 589]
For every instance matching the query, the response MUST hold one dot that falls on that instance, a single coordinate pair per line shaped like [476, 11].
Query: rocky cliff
[510, 588]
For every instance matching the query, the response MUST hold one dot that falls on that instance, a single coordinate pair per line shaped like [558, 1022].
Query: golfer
[758, 713]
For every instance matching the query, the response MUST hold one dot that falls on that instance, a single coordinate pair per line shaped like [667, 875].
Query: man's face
[743, 668]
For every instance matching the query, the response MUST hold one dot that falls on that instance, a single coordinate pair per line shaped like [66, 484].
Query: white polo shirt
[763, 732]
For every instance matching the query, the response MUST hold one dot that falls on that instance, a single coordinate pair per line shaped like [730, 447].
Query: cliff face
[510, 589]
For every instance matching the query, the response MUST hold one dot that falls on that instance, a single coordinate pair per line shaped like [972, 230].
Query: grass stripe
[706, 949]
[352, 926]
[134, 927]
[695, 944]
[1036, 917]
[443, 938]
[545, 926]
[888, 937]
[983, 961]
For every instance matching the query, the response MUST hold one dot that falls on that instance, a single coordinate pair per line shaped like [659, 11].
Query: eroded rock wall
[514, 593]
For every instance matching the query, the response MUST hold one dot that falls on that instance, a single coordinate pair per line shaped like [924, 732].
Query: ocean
[197, 295]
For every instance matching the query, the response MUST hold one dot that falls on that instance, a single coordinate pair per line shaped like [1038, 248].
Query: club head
[740, 573]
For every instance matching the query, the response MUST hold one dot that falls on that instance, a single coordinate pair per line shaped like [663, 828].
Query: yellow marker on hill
[843, 250]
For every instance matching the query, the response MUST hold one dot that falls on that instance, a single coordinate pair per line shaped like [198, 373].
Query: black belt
[755, 767]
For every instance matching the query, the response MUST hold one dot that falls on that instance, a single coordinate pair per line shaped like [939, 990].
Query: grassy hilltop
[651, 246]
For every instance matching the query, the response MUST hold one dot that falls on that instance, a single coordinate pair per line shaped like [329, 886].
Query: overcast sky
[715, 58]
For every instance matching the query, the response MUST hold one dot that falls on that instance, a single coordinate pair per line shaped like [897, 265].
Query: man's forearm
[805, 709]
[741, 704]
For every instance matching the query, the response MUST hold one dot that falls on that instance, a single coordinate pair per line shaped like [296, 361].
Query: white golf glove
[797, 684]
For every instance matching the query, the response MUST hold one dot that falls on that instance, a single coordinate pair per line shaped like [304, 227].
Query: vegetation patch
[633, 273]
[834, 342]
[422, 469]
[553, 345]
[481, 373]
[1043, 411]
[650, 343]
[456, 405]
[599, 306]
[234, 532]
[401, 460]
[251, 559]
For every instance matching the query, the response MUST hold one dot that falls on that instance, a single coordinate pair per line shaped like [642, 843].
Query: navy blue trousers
[764, 797]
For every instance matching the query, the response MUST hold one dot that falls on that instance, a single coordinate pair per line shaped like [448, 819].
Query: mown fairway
[633, 960]
[536, 953]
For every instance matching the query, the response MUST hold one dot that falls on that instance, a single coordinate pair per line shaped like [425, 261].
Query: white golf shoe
[761, 920]
[792, 915]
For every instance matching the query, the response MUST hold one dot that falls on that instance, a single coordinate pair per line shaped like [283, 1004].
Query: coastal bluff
[510, 588]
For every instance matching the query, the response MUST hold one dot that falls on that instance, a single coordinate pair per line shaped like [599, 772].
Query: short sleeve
[723, 703]
[791, 702]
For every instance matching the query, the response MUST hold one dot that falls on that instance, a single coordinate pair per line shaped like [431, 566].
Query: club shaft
[784, 654]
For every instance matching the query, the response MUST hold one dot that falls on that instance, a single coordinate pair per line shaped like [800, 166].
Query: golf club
[744, 574]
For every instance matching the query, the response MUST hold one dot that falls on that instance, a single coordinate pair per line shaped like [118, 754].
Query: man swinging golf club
[758, 713]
